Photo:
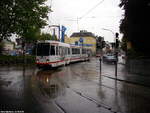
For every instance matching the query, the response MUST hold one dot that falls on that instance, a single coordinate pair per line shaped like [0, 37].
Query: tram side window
[78, 51]
[68, 51]
[83, 51]
[60, 50]
[63, 51]
[57, 52]
[52, 52]
[75, 51]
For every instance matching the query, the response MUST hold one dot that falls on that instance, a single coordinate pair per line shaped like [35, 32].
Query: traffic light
[117, 43]
[117, 34]
[103, 44]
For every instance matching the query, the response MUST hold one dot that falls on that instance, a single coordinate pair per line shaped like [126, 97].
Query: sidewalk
[138, 79]
[125, 76]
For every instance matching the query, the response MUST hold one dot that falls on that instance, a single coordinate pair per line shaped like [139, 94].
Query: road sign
[81, 40]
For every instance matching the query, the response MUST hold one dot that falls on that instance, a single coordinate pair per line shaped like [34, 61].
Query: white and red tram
[54, 53]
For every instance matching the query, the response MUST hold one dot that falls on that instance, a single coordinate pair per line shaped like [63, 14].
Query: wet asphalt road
[76, 88]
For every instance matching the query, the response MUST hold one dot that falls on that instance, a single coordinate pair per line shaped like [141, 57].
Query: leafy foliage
[47, 36]
[1, 47]
[22, 17]
[32, 35]
[124, 44]
[16, 60]
[135, 24]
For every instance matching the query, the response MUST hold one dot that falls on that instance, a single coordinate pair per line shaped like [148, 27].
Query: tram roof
[55, 42]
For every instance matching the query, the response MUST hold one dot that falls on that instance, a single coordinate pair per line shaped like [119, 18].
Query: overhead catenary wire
[91, 9]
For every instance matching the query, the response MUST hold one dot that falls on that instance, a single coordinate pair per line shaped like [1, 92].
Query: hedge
[11, 60]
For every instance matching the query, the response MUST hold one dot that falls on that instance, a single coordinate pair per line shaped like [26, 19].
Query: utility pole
[78, 24]
[54, 31]
[23, 50]
[100, 45]
[116, 53]
[100, 51]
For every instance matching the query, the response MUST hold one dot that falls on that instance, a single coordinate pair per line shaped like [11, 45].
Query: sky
[101, 17]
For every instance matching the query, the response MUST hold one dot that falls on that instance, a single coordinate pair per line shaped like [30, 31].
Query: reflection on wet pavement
[49, 83]
[76, 88]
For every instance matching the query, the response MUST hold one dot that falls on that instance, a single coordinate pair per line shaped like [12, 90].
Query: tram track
[118, 79]
[98, 103]
[61, 109]
[126, 92]
[89, 98]
[76, 73]
[116, 88]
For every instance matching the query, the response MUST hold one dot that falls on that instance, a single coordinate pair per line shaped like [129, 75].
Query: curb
[127, 81]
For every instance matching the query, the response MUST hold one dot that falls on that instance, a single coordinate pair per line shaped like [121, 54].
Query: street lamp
[109, 30]
[113, 44]
[116, 48]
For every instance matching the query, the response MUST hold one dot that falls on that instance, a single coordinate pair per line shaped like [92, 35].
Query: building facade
[8, 45]
[83, 38]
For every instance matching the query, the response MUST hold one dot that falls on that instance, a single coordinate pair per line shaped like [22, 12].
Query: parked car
[109, 58]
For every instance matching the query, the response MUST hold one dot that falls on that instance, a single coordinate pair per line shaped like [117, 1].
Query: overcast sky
[106, 15]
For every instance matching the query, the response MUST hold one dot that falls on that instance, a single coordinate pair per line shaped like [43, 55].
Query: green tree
[32, 35]
[6, 18]
[124, 44]
[47, 36]
[1, 47]
[135, 24]
[22, 17]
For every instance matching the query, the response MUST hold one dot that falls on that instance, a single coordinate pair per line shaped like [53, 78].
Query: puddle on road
[49, 83]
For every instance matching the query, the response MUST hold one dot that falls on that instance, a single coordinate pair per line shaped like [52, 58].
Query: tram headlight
[47, 60]
[37, 60]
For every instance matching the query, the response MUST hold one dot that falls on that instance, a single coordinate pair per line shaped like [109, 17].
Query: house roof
[83, 34]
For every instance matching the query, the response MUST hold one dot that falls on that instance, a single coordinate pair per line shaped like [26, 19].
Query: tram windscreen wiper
[43, 49]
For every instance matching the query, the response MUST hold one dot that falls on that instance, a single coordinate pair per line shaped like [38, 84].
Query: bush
[11, 60]
[1, 47]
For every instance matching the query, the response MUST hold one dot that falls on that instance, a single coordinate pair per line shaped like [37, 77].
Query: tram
[54, 54]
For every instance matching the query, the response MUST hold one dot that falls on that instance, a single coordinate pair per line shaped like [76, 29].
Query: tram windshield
[43, 49]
